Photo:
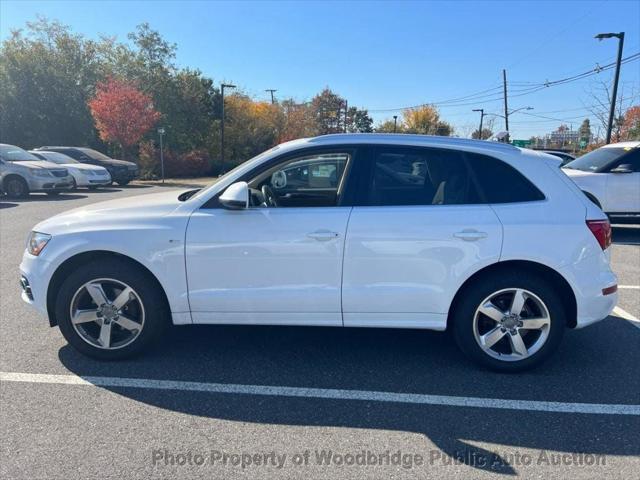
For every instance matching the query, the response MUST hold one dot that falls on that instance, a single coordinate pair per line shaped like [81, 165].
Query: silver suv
[22, 173]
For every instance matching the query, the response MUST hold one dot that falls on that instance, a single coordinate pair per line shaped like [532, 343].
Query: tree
[47, 74]
[359, 121]
[328, 111]
[486, 133]
[391, 126]
[601, 99]
[631, 124]
[299, 121]
[585, 131]
[123, 114]
[425, 120]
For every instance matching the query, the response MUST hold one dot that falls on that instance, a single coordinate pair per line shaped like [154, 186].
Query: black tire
[122, 183]
[15, 187]
[157, 316]
[74, 185]
[473, 295]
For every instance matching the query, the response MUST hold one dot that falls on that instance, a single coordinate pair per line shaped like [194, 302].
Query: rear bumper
[589, 277]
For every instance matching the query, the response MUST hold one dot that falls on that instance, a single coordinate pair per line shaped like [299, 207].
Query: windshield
[90, 152]
[245, 165]
[9, 153]
[56, 157]
[597, 160]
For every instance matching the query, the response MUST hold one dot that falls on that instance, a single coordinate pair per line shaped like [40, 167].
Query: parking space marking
[629, 287]
[324, 393]
[618, 312]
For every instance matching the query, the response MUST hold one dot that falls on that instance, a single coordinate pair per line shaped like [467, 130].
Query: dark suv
[122, 172]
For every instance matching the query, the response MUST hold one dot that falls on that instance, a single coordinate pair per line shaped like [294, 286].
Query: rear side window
[420, 176]
[501, 183]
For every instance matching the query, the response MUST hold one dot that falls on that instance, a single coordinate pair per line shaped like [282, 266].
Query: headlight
[36, 242]
[38, 172]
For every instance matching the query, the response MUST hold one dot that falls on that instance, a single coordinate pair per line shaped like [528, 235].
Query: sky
[384, 56]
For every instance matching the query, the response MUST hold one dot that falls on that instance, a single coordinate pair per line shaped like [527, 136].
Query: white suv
[610, 176]
[490, 241]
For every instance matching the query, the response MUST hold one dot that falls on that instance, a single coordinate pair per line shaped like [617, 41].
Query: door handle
[323, 235]
[470, 235]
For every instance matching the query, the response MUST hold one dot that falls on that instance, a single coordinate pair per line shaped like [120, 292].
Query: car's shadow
[39, 197]
[403, 361]
[626, 234]
[102, 190]
[7, 205]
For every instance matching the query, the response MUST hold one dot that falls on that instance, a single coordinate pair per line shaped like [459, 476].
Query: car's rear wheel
[509, 322]
[122, 183]
[110, 310]
[16, 187]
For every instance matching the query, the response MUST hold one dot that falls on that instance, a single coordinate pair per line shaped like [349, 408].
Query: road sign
[521, 143]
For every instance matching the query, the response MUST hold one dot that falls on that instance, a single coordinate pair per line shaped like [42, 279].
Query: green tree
[359, 121]
[328, 110]
[585, 131]
[47, 75]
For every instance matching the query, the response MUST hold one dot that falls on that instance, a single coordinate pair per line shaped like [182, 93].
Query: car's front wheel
[110, 309]
[16, 187]
[510, 321]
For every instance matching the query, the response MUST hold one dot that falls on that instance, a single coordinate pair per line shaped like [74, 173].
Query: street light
[222, 87]
[395, 123]
[620, 37]
[161, 131]
[481, 110]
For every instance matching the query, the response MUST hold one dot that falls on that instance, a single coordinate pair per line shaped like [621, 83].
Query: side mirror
[624, 168]
[236, 196]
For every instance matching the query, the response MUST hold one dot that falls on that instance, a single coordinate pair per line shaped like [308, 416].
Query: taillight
[601, 229]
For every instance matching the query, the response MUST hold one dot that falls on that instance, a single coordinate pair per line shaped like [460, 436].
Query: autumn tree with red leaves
[123, 114]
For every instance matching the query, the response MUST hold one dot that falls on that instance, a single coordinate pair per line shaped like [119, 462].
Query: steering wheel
[270, 198]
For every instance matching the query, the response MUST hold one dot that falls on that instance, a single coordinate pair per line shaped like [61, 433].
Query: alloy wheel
[107, 313]
[511, 324]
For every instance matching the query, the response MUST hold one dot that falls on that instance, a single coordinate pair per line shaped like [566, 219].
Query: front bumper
[50, 184]
[35, 273]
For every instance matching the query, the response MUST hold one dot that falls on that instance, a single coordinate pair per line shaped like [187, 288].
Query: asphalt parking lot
[444, 416]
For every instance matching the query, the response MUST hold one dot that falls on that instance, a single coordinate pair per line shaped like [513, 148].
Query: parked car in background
[565, 157]
[487, 240]
[610, 176]
[121, 171]
[22, 173]
[84, 175]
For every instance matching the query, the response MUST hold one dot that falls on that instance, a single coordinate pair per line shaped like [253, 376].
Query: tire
[122, 183]
[15, 187]
[74, 185]
[541, 302]
[146, 307]
[93, 188]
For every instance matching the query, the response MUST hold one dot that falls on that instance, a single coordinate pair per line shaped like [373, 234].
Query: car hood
[113, 214]
[40, 164]
[83, 166]
[113, 161]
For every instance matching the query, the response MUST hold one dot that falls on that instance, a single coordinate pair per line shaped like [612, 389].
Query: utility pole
[612, 112]
[222, 87]
[346, 113]
[481, 110]
[506, 110]
[395, 123]
[161, 133]
[271, 91]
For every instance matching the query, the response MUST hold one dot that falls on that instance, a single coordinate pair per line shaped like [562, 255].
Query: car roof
[406, 139]
[622, 145]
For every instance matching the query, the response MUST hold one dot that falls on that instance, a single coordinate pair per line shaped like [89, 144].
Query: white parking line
[334, 394]
[618, 312]
[629, 287]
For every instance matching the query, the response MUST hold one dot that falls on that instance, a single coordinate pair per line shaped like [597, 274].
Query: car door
[274, 264]
[623, 185]
[417, 230]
